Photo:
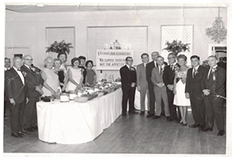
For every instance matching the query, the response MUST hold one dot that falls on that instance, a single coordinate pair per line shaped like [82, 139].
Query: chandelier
[218, 31]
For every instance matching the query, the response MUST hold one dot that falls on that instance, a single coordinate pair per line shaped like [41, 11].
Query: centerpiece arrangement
[60, 47]
[177, 46]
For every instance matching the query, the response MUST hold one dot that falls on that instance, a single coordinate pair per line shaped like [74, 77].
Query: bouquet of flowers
[61, 47]
[177, 46]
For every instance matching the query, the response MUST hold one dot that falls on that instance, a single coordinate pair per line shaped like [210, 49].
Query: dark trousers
[198, 108]
[151, 98]
[172, 108]
[214, 109]
[6, 105]
[30, 114]
[16, 117]
[128, 93]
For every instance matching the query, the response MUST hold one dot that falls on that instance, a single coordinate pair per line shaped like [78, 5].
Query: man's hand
[12, 101]
[138, 88]
[160, 85]
[170, 87]
[133, 84]
[206, 92]
[187, 95]
[27, 100]
[38, 89]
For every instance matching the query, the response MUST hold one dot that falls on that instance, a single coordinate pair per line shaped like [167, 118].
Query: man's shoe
[24, 132]
[194, 126]
[30, 129]
[16, 135]
[169, 119]
[221, 133]
[150, 115]
[156, 117]
[142, 113]
[124, 114]
[133, 112]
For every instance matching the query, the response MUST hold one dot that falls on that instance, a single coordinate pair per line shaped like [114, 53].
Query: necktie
[161, 70]
[194, 72]
[171, 67]
[210, 74]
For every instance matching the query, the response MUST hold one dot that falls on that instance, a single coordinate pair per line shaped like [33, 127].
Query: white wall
[28, 29]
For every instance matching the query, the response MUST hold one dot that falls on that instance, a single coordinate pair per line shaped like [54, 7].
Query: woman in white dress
[51, 81]
[180, 99]
[75, 76]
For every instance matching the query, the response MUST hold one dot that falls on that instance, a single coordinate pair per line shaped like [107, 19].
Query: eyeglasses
[130, 60]
[29, 59]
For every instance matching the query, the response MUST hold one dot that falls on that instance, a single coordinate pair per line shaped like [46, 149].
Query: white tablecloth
[75, 123]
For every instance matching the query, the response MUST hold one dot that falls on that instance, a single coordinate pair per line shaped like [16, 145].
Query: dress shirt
[195, 69]
[20, 75]
[211, 70]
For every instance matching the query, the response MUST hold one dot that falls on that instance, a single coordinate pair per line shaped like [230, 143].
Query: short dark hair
[58, 56]
[87, 62]
[74, 59]
[82, 57]
[182, 56]
[144, 54]
[7, 58]
[128, 58]
[195, 56]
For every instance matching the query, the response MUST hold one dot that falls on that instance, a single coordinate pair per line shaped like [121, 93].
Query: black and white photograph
[116, 79]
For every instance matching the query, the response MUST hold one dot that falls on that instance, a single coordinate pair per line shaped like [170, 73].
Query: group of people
[26, 83]
[173, 87]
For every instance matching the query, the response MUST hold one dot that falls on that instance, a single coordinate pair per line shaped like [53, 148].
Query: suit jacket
[156, 77]
[216, 86]
[33, 79]
[149, 68]
[14, 86]
[168, 75]
[141, 76]
[127, 76]
[195, 85]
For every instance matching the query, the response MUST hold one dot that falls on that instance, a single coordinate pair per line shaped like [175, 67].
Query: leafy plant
[60, 48]
[177, 46]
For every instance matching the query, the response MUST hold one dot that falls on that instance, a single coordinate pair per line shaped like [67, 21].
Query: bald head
[28, 60]
[17, 62]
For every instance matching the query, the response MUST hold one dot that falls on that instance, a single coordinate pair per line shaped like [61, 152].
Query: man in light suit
[214, 91]
[16, 92]
[142, 85]
[160, 89]
[128, 80]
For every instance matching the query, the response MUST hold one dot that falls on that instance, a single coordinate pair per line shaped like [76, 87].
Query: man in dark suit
[160, 89]
[214, 90]
[16, 92]
[34, 85]
[168, 77]
[82, 65]
[6, 100]
[142, 86]
[128, 80]
[193, 90]
[149, 68]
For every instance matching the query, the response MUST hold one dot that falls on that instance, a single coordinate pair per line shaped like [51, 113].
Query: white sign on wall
[111, 59]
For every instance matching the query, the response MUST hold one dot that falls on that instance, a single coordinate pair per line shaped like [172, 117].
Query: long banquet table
[75, 123]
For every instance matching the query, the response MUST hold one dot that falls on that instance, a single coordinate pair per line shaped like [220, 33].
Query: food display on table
[64, 97]
[86, 93]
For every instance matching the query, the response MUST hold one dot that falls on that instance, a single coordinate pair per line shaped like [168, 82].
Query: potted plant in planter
[60, 48]
[177, 46]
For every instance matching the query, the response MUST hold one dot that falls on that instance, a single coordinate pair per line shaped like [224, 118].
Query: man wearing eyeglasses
[34, 85]
[128, 80]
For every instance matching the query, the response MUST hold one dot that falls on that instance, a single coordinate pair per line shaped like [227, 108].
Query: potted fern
[60, 48]
[177, 46]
